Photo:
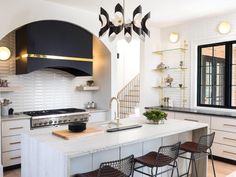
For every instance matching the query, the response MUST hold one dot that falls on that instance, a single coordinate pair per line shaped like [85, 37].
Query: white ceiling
[163, 12]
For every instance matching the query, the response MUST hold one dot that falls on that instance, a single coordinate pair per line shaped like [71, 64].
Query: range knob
[64, 121]
[50, 122]
[40, 123]
[59, 121]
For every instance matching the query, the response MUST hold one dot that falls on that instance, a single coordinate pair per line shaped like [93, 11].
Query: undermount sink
[121, 128]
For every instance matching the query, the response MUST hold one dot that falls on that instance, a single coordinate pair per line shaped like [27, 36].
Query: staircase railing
[129, 96]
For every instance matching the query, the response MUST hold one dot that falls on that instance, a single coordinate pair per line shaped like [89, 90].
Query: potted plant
[155, 115]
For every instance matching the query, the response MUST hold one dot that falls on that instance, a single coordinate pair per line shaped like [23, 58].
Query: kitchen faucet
[117, 113]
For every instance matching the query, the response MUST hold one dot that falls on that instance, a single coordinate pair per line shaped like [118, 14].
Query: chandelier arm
[143, 23]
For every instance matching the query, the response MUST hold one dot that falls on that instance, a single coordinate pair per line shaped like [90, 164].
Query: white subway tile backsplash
[44, 89]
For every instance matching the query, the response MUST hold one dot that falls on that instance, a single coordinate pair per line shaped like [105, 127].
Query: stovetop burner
[53, 111]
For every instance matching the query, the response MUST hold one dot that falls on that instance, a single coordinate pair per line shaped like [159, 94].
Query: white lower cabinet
[225, 128]
[11, 140]
[194, 118]
[225, 137]
[97, 116]
[224, 124]
[11, 143]
[81, 164]
[11, 158]
[221, 150]
[105, 156]
[135, 149]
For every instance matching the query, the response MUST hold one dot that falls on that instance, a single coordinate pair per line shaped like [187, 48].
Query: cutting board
[66, 134]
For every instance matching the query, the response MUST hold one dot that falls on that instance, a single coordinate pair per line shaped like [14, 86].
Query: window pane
[233, 96]
[213, 75]
[234, 54]
[234, 75]
[206, 57]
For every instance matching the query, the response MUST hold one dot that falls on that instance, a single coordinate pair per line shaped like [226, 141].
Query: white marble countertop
[92, 143]
[15, 117]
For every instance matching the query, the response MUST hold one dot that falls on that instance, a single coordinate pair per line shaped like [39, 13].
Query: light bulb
[5, 53]
[224, 27]
[174, 37]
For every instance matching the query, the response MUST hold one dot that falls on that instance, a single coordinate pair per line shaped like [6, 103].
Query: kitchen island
[45, 155]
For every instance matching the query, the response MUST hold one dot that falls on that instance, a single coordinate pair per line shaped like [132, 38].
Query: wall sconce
[173, 37]
[224, 27]
[5, 53]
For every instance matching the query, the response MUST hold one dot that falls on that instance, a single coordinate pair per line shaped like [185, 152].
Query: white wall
[198, 32]
[148, 95]
[128, 62]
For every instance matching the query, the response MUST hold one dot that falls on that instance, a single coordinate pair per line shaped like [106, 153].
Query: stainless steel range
[56, 117]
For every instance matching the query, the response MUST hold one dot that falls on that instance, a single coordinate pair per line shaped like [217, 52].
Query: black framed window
[217, 75]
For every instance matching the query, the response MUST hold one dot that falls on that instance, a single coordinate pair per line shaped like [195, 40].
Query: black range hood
[54, 44]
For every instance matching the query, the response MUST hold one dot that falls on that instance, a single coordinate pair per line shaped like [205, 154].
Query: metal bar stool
[166, 156]
[118, 168]
[198, 151]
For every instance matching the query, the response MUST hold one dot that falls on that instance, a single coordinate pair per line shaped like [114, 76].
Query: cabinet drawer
[224, 151]
[224, 124]
[10, 128]
[11, 158]
[11, 143]
[193, 118]
[225, 138]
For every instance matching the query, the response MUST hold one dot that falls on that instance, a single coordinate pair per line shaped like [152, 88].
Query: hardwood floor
[222, 170]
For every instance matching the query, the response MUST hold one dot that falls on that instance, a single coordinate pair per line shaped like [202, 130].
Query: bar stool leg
[189, 164]
[212, 161]
[172, 171]
[156, 172]
[195, 165]
[177, 168]
[152, 175]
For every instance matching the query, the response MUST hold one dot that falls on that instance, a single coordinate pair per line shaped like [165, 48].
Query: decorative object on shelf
[3, 83]
[119, 23]
[224, 27]
[181, 64]
[90, 83]
[169, 80]
[180, 85]
[5, 53]
[166, 101]
[173, 37]
[155, 116]
[91, 105]
[5, 107]
[161, 66]
[87, 88]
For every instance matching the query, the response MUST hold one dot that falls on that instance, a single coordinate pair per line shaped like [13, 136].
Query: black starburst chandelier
[119, 24]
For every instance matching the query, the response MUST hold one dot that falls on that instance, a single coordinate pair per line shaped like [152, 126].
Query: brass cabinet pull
[14, 158]
[227, 152]
[16, 128]
[230, 125]
[191, 120]
[18, 142]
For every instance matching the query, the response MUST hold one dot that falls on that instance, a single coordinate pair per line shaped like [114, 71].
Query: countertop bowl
[77, 126]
